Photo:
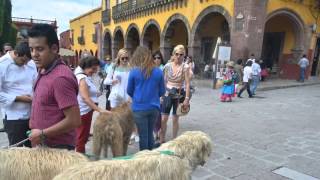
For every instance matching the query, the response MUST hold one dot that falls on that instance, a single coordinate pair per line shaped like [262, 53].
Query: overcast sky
[61, 10]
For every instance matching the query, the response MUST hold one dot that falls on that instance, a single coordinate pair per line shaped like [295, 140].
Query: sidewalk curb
[287, 86]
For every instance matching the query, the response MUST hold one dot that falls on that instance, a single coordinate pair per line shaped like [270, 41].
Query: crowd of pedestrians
[40, 94]
[48, 103]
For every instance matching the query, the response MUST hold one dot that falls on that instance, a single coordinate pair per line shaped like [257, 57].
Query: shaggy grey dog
[36, 163]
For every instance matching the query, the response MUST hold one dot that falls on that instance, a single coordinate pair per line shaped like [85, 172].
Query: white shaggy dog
[145, 165]
[36, 163]
[194, 146]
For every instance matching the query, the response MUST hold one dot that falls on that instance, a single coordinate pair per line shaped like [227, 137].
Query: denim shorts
[168, 103]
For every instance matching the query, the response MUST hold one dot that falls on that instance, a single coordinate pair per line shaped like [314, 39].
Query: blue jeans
[302, 72]
[145, 121]
[254, 84]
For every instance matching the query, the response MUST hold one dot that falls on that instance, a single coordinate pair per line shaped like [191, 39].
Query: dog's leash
[18, 143]
[15, 145]
[166, 152]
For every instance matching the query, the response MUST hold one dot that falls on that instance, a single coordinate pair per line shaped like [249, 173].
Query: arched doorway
[132, 38]
[118, 41]
[151, 35]
[212, 23]
[107, 47]
[283, 45]
[175, 32]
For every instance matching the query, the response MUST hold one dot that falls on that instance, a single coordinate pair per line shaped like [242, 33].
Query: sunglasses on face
[124, 58]
[157, 57]
[177, 54]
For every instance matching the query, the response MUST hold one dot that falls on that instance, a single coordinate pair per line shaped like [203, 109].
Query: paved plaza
[253, 137]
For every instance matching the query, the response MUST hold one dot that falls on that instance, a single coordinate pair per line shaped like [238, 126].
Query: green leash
[166, 152]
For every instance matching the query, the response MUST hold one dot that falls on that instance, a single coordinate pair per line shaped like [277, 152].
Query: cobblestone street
[252, 137]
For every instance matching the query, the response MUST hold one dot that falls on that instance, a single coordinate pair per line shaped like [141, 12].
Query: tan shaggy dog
[145, 165]
[113, 130]
[36, 163]
[195, 146]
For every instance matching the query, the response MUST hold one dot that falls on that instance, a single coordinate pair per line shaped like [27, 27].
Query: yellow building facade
[85, 32]
[277, 31]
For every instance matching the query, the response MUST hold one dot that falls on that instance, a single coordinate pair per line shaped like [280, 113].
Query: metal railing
[94, 38]
[35, 21]
[81, 40]
[134, 6]
[106, 16]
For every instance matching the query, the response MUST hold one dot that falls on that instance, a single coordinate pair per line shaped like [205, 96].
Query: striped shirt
[55, 90]
[175, 79]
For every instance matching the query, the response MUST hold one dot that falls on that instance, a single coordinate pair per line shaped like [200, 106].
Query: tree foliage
[7, 32]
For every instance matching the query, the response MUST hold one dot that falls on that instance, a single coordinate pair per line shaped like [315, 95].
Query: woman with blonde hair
[145, 87]
[177, 82]
[117, 77]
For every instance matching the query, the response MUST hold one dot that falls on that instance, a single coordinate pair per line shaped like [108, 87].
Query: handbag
[219, 83]
[182, 110]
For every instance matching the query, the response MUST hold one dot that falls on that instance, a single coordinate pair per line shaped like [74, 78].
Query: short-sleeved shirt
[92, 89]
[55, 90]
[175, 79]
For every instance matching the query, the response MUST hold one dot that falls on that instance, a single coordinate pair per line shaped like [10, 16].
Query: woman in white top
[247, 75]
[118, 78]
[87, 98]
[177, 77]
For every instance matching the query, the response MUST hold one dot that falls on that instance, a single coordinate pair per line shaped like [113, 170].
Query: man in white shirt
[247, 76]
[256, 70]
[17, 76]
[207, 71]
[303, 63]
[252, 58]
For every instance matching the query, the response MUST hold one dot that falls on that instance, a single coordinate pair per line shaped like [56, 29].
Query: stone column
[248, 28]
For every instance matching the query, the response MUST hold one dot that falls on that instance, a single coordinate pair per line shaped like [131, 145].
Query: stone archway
[132, 38]
[176, 31]
[150, 36]
[211, 23]
[107, 44]
[284, 45]
[118, 41]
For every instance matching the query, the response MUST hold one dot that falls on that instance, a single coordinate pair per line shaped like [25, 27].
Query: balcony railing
[94, 38]
[131, 7]
[81, 40]
[106, 16]
[34, 21]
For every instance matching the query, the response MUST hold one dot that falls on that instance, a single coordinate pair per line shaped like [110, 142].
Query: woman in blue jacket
[145, 87]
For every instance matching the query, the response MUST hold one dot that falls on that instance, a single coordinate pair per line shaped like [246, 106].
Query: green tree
[7, 32]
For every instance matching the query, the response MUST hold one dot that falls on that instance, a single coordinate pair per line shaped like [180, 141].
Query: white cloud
[60, 10]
